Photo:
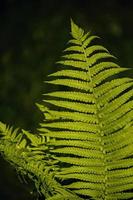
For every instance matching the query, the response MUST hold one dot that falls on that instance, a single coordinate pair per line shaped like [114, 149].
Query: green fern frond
[77, 84]
[8, 133]
[94, 123]
[84, 148]
[75, 116]
[76, 106]
[77, 135]
[75, 143]
[72, 95]
[89, 162]
[72, 73]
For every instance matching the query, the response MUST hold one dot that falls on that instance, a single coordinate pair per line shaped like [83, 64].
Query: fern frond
[75, 143]
[77, 126]
[97, 57]
[74, 48]
[72, 95]
[84, 148]
[76, 56]
[75, 116]
[83, 177]
[94, 48]
[8, 133]
[72, 73]
[106, 74]
[74, 41]
[76, 32]
[77, 84]
[77, 135]
[109, 85]
[85, 185]
[120, 135]
[79, 169]
[112, 94]
[75, 64]
[120, 105]
[80, 162]
[94, 123]
[76, 106]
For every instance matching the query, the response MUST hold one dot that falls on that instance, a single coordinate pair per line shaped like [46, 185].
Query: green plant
[84, 147]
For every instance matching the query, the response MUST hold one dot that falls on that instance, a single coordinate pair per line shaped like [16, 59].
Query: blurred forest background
[33, 34]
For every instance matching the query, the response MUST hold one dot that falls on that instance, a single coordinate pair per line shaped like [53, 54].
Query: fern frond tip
[76, 31]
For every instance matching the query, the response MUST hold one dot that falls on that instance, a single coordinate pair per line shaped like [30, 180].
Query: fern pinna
[84, 148]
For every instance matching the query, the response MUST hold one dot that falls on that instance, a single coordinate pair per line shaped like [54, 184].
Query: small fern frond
[76, 32]
[82, 75]
[7, 132]
[72, 95]
[75, 116]
[77, 84]
[76, 106]
[77, 135]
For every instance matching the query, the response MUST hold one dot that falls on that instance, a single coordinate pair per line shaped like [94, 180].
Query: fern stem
[99, 122]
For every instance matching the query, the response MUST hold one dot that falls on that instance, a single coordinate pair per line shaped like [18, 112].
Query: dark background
[33, 34]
